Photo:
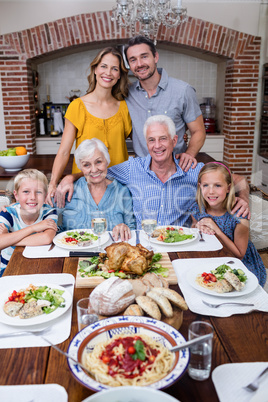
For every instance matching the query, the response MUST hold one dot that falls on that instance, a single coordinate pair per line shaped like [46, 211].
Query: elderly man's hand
[241, 208]
[186, 161]
[65, 186]
[121, 230]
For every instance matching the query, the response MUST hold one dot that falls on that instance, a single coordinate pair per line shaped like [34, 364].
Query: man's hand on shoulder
[241, 208]
[186, 161]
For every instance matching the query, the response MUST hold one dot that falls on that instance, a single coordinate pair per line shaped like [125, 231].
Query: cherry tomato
[131, 350]
[70, 240]
[106, 359]
[151, 358]
[110, 271]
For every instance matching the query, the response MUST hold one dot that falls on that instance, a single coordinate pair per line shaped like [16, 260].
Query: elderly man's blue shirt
[171, 199]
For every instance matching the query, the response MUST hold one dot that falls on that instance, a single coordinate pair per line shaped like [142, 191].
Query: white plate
[250, 285]
[57, 240]
[104, 330]
[191, 231]
[40, 319]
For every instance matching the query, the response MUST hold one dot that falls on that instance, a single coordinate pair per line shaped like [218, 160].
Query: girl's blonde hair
[30, 174]
[224, 169]
[120, 89]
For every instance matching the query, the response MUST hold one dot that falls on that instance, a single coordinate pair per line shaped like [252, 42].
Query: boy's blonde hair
[32, 174]
[224, 169]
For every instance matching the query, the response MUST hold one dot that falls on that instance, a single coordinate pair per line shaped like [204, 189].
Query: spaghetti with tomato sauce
[129, 360]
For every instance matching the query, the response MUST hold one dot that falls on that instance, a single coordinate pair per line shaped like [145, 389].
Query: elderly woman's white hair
[161, 119]
[87, 148]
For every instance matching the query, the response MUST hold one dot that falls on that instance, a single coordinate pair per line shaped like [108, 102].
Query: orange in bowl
[21, 151]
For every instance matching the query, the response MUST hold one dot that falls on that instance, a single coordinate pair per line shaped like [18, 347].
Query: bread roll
[112, 296]
[173, 297]
[133, 309]
[149, 306]
[162, 302]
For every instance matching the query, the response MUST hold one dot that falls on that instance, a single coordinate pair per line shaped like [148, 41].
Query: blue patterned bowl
[104, 330]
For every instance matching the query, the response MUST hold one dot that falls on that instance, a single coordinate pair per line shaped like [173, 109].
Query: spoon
[188, 344]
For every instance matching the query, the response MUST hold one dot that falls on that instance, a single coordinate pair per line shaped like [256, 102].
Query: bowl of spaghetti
[128, 351]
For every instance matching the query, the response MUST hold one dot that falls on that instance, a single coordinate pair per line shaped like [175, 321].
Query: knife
[51, 246]
[83, 254]
[137, 237]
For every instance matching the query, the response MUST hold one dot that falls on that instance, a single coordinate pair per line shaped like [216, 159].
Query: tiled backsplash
[70, 72]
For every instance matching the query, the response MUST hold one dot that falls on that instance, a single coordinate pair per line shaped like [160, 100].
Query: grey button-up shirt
[173, 97]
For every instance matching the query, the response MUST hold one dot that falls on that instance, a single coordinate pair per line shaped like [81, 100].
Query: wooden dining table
[239, 338]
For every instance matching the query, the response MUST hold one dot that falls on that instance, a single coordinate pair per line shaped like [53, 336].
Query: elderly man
[156, 93]
[158, 183]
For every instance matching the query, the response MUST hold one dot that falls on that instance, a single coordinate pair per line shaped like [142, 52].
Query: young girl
[212, 215]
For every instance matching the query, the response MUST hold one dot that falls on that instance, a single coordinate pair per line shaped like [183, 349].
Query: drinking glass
[200, 361]
[85, 313]
[98, 225]
[149, 223]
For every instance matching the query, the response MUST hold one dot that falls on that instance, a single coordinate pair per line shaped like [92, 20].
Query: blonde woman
[102, 113]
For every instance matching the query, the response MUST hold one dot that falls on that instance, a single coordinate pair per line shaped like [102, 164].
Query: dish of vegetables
[173, 235]
[78, 239]
[32, 304]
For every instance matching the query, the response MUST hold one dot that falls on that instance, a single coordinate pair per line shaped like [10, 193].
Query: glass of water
[85, 313]
[98, 225]
[201, 354]
[149, 224]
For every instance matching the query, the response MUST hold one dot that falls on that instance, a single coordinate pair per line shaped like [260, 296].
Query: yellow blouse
[112, 131]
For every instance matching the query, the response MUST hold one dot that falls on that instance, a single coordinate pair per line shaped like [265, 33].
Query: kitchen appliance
[208, 109]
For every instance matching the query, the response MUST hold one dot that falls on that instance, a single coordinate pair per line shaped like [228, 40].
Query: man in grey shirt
[155, 93]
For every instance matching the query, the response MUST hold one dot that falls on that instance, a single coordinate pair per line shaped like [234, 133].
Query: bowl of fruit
[13, 159]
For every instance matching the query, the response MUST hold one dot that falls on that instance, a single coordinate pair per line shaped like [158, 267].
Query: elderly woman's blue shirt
[116, 203]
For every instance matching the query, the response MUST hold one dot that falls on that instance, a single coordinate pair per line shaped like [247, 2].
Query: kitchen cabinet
[263, 147]
[261, 174]
[213, 146]
[48, 145]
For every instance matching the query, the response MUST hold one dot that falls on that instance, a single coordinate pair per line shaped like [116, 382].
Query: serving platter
[93, 281]
[250, 285]
[40, 319]
[187, 231]
[104, 238]
[104, 330]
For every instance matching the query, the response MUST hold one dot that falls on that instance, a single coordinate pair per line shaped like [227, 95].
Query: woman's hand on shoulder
[50, 194]
[65, 186]
[121, 230]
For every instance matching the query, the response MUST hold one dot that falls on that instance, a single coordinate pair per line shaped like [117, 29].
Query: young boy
[28, 222]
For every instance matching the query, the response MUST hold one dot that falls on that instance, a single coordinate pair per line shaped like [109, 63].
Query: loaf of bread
[112, 296]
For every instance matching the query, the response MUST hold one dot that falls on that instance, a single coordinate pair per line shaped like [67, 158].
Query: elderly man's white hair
[87, 148]
[161, 119]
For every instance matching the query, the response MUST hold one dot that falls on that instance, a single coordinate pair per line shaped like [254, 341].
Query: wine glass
[98, 225]
[149, 223]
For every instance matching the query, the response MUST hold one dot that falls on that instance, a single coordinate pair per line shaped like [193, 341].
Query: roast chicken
[131, 259]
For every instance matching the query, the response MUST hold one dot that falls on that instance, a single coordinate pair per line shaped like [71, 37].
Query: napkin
[33, 393]
[42, 252]
[194, 297]
[229, 380]
[58, 330]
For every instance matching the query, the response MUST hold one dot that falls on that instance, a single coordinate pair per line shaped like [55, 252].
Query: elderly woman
[94, 192]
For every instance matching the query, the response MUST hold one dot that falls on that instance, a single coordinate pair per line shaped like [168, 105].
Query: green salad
[92, 267]
[53, 296]
[220, 271]
[81, 235]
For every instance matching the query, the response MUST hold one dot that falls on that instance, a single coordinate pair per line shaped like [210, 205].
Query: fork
[201, 236]
[32, 332]
[221, 304]
[254, 385]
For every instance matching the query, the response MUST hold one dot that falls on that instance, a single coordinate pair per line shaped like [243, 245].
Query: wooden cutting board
[93, 281]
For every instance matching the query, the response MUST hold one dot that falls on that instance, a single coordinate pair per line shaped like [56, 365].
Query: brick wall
[241, 52]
